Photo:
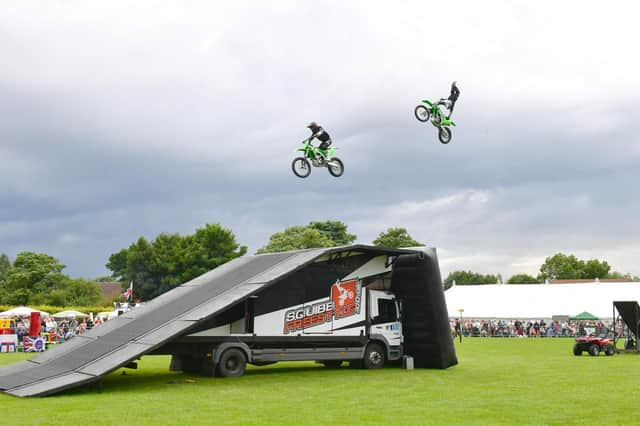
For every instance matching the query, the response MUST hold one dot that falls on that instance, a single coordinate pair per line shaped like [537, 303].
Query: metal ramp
[119, 341]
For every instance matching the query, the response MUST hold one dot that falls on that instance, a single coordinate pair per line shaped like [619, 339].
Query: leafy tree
[33, 275]
[563, 267]
[560, 266]
[104, 279]
[5, 264]
[37, 278]
[296, 238]
[619, 275]
[523, 279]
[170, 260]
[19, 297]
[81, 292]
[595, 269]
[470, 278]
[4, 272]
[396, 238]
[335, 230]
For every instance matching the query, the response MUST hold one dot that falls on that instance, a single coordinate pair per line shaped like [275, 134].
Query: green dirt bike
[438, 118]
[317, 157]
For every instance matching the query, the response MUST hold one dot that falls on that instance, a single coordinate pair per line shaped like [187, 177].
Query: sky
[128, 119]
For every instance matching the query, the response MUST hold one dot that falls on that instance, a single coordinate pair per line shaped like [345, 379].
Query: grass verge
[498, 381]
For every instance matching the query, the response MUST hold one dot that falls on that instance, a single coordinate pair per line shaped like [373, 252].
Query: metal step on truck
[353, 323]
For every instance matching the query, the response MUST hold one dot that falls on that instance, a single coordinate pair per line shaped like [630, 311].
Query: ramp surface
[117, 342]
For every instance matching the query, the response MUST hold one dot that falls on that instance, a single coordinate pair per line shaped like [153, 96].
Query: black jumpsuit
[453, 97]
[319, 133]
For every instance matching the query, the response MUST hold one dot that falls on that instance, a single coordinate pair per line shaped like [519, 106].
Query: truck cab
[384, 313]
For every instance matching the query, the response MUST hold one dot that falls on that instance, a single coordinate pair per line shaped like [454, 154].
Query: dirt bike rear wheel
[301, 167]
[337, 169]
[444, 134]
[422, 113]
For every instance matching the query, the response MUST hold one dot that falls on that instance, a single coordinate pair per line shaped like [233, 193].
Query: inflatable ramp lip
[630, 313]
[85, 359]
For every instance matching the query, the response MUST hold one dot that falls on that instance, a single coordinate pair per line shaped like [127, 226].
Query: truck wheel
[576, 350]
[232, 363]
[374, 356]
[332, 363]
[608, 350]
[594, 350]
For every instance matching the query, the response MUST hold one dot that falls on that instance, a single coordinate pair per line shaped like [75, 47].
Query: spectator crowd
[531, 328]
[56, 330]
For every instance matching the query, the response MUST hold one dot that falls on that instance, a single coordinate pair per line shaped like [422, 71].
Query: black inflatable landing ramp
[119, 341]
[630, 312]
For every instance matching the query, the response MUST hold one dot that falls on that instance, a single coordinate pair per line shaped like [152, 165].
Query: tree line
[163, 263]
[169, 260]
[560, 266]
[37, 279]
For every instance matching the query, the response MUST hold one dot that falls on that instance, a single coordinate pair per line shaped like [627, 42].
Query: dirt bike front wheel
[301, 167]
[444, 134]
[335, 166]
[422, 113]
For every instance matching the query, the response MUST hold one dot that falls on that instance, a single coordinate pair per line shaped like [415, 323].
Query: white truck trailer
[353, 323]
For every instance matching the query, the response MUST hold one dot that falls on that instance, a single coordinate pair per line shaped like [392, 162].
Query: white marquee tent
[538, 300]
[21, 311]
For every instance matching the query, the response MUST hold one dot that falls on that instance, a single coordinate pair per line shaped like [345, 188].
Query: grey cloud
[116, 131]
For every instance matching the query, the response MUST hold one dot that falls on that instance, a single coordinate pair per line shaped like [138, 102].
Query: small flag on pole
[33, 344]
[127, 294]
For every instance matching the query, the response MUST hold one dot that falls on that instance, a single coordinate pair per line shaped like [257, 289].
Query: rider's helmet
[312, 125]
[454, 84]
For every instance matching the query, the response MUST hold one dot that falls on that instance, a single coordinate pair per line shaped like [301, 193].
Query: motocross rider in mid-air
[317, 132]
[452, 99]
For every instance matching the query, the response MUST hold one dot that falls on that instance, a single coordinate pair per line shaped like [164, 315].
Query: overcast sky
[128, 119]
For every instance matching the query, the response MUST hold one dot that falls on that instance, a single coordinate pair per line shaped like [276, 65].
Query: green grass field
[498, 381]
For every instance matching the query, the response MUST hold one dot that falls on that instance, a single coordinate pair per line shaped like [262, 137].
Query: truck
[353, 323]
[364, 305]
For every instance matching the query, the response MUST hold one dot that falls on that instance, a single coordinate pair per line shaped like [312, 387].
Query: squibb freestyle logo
[344, 302]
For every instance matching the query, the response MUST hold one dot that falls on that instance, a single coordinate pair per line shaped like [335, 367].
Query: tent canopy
[538, 300]
[21, 311]
[584, 316]
[69, 314]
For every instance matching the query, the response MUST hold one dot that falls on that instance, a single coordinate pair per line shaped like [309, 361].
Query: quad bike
[438, 118]
[593, 345]
[317, 157]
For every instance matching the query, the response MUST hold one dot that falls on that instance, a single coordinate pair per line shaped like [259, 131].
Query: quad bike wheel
[594, 350]
[576, 350]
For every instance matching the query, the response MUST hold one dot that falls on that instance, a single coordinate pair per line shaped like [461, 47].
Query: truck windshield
[386, 311]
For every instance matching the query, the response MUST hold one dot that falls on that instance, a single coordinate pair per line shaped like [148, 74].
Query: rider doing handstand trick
[450, 102]
[434, 112]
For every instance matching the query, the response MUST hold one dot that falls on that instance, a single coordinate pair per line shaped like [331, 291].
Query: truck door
[385, 318]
